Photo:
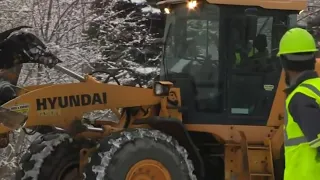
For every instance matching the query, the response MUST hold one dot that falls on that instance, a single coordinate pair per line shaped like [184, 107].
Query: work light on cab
[301, 12]
[166, 10]
[192, 4]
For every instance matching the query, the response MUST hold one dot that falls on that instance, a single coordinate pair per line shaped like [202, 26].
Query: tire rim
[70, 172]
[148, 170]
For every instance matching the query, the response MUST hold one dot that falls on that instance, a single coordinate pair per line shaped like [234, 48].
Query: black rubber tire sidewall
[66, 152]
[135, 150]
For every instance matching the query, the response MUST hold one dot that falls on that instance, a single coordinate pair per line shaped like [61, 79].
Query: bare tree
[60, 24]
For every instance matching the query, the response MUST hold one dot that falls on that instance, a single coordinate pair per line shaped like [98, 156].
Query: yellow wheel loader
[217, 112]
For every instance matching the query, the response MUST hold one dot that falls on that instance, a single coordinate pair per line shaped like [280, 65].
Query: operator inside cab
[251, 52]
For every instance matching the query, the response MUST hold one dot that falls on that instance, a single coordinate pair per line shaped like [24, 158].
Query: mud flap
[11, 119]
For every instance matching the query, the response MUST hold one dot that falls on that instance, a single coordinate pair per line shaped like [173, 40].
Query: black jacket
[305, 110]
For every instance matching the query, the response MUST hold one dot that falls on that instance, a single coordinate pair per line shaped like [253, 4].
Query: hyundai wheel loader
[216, 113]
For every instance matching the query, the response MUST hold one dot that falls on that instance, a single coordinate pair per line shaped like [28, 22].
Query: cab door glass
[202, 51]
[192, 57]
[292, 18]
[262, 42]
[247, 82]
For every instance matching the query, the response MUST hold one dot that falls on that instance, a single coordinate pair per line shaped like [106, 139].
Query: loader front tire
[51, 157]
[139, 154]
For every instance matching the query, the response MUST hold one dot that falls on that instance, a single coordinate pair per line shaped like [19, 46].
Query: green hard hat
[296, 40]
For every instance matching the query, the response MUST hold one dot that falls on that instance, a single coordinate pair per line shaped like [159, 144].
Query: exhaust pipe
[69, 73]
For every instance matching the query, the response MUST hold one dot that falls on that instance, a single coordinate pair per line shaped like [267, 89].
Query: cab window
[192, 50]
[255, 70]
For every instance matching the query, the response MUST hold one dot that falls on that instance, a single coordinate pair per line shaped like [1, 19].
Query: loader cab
[223, 59]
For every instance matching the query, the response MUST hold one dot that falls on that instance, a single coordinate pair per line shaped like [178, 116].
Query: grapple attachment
[24, 47]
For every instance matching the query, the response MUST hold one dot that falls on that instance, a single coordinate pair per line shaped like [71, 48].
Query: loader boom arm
[54, 106]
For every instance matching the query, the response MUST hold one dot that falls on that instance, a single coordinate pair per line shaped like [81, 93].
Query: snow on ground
[146, 70]
[138, 1]
[151, 9]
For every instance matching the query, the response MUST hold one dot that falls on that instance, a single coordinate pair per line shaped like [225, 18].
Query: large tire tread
[47, 155]
[118, 146]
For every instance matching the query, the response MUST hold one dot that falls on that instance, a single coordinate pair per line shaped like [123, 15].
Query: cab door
[193, 60]
[252, 83]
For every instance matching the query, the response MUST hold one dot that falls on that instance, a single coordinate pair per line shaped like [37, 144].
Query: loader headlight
[158, 89]
[162, 88]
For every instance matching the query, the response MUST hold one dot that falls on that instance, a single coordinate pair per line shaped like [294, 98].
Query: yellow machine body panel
[53, 105]
[250, 140]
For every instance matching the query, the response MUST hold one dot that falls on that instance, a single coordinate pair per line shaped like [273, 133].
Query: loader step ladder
[257, 160]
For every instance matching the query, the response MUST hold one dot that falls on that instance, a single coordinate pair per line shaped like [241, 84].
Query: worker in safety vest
[301, 123]
[257, 49]
[250, 54]
[240, 50]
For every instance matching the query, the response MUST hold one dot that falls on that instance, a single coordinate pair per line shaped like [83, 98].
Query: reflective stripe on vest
[292, 141]
[316, 94]
[301, 160]
[250, 54]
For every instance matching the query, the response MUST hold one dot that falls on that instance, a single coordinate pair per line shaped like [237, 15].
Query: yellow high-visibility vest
[238, 56]
[300, 158]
